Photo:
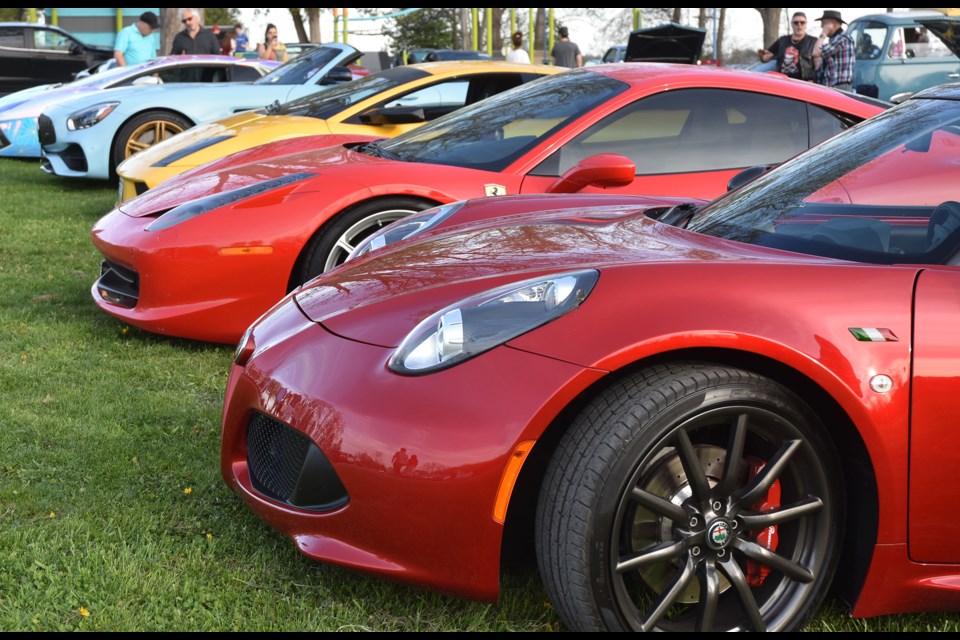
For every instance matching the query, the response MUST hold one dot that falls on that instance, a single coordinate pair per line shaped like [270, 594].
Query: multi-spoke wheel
[146, 130]
[335, 240]
[691, 497]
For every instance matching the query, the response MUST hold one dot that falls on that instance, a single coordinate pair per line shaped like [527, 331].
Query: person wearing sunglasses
[794, 52]
[194, 39]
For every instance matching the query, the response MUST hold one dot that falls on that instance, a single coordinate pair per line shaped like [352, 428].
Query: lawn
[113, 515]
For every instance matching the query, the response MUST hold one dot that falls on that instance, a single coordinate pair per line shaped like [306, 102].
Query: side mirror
[337, 75]
[748, 175]
[75, 49]
[393, 115]
[602, 170]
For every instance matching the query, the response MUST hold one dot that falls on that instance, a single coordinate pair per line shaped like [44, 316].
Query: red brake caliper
[767, 538]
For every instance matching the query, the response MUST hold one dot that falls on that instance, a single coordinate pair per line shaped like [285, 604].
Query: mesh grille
[45, 130]
[275, 456]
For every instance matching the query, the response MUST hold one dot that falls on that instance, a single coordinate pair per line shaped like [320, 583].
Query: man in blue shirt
[135, 43]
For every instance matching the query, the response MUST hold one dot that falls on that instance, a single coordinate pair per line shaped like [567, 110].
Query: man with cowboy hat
[835, 53]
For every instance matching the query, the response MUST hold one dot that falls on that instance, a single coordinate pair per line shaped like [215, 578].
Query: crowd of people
[828, 59]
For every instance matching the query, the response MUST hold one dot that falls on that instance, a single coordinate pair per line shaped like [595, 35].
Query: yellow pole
[55, 17]
[513, 21]
[489, 20]
[345, 10]
[532, 39]
[336, 25]
[31, 15]
[550, 37]
[119, 20]
[476, 29]
[636, 19]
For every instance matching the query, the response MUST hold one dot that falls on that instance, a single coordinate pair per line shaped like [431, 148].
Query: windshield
[491, 134]
[302, 68]
[332, 101]
[884, 192]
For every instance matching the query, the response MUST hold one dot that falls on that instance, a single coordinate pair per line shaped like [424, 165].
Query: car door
[935, 405]
[16, 63]
[56, 56]
[690, 142]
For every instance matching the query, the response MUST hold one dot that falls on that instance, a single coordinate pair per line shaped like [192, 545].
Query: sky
[744, 29]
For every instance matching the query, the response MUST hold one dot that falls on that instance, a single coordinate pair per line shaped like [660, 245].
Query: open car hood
[669, 42]
[947, 29]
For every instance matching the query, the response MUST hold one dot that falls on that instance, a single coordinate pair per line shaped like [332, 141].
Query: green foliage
[423, 29]
[10, 15]
[221, 16]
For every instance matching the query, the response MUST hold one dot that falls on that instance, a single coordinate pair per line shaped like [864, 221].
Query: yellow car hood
[214, 140]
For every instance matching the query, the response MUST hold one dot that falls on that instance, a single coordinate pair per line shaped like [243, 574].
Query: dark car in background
[33, 54]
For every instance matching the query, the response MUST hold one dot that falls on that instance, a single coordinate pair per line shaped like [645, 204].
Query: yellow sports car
[384, 104]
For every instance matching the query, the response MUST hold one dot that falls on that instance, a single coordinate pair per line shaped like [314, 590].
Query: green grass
[111, 501]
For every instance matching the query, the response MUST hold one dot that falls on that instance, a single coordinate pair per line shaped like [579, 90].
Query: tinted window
[193, 74]
[43, 39]
[301, 68]
[693, 130]
[823, 124]
[244, 74]
[884, 192]
[917, 42]
[11, 37]
[329, 103]
[491, 134]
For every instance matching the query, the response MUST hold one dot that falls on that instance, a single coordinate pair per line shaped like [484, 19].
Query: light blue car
[19, 111]
[88, 137]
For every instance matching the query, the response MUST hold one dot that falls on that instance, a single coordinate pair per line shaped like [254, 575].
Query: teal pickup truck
[901, 53]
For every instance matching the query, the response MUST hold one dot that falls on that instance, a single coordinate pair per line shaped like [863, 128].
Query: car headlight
[406, 228]
[480, 323]
[90, 116]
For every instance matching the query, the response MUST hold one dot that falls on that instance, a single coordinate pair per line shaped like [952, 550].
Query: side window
[43, 39]
[437, 99]
[823, 124]
[11, 37]
[868, 38]
[919, 43]
[693, 130]
[193, 74]
[240, 73]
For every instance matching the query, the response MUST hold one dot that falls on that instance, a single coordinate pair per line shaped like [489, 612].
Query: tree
[217, 15]
[718, 48]
[423, 29]
[297, 15]
[771, 25]
[170, 26]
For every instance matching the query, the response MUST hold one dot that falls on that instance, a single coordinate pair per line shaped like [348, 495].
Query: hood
[947, 29]
[31, 106]
[244, 169]
[379, 300]
[669, 42]
[207, 142]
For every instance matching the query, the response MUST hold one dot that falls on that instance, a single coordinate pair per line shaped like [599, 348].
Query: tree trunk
[702, 19]
[464, 29]
[497, 27]
[771, 25]
[298, 25]
[314, 15]
[718, 54]
[677, 15]
[542, 38]
[170, 27]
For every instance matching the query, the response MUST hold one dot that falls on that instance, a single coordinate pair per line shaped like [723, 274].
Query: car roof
[949, 91]
[900, 17]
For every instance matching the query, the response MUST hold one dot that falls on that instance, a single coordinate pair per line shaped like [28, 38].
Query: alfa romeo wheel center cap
[718, 534]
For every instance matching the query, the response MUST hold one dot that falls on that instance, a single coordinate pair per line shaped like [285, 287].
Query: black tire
[331, 245]
[625, 541]
[143, 131]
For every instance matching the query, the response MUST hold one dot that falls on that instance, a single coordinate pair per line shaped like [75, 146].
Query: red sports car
[702, 417]
[204, 254]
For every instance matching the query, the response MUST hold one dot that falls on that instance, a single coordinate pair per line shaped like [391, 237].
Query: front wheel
[331, 245]
[691, 498]
[144, 131]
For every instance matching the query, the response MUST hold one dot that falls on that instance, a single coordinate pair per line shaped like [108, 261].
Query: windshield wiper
[273, 108]
[679, 215]
[375, 150]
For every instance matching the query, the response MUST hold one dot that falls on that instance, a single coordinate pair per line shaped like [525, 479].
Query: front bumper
[420, 458]
[75, 154]
[164, 282]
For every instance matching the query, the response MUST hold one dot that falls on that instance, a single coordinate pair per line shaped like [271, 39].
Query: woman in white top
[517, 54]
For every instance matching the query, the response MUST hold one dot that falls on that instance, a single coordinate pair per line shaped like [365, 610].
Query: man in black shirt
[194, 39]
[794, 53]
